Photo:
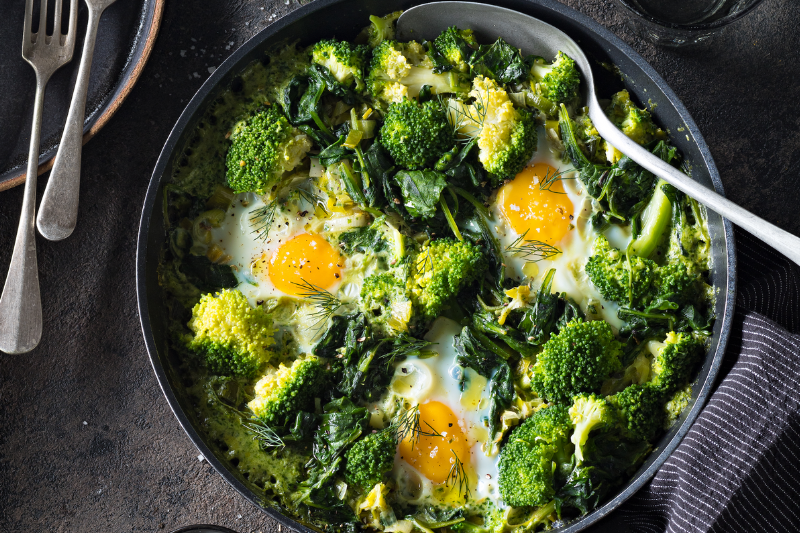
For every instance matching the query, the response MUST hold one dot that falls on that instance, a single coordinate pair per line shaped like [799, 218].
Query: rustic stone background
[88, 442]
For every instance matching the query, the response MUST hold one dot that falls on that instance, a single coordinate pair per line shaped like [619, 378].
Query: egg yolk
[305, 258]
[433, 456]
[535, 202]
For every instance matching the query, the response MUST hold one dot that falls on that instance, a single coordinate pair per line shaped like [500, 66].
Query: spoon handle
[58, 212]
[783, 241]
[21, 304]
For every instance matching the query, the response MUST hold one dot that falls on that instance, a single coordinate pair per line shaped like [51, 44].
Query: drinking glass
[682, 22]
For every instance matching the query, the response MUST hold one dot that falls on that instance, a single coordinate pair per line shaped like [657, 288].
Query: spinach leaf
[421, 190]
[321, 75]
[629, 188]
[303, 428]
[341, 424]
[368, 363]
[335, 152]
[380, 168]
[608, 459]
[640, 326]
[486, 323]
[571, 311]
[539, 321]
[207, 276]
[362, 240]
[493, 249]
[475, 351]
[593, 176]
[499, 61]
[333, 338]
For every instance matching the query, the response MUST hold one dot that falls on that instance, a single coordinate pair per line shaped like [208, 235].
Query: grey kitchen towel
[738, 468]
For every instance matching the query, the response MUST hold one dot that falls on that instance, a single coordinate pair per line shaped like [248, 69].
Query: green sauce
[202, 165]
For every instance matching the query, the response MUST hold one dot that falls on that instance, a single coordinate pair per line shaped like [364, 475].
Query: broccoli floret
[233, 337]
[283, 392]
[386, 303]
[636, 123]
[642, 410]
[369, 459]
[589, 412]
[346, 62]
[381, 28]
[576, 360]
[610, 271]
[558, 81]
[439, 272]
[400, 70]
[456, 46]
[676, 405]
[506, 136]
[531, 456]
[263, 147]
[674, 283]
[673, 360]
[415, 135]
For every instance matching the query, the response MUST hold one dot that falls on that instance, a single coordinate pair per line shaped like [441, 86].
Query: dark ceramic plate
[124, 40]
[343, 19]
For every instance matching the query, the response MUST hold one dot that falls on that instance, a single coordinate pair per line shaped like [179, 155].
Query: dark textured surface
[130, 467]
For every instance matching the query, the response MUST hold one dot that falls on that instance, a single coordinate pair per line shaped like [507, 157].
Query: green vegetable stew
[411, 289]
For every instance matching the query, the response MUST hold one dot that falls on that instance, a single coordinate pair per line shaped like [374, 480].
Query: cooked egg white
[424, 469]
[299, 251]
[541, 218]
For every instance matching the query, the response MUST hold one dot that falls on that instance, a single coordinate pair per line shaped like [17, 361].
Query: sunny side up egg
[452, 425]
[280, 263]
[299, 252]
[542, 222]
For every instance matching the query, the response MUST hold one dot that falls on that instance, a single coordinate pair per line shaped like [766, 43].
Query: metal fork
[21, 304]
[58, 211]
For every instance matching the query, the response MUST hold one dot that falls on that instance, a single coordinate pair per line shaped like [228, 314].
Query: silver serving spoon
[426, 21]
[58, 211]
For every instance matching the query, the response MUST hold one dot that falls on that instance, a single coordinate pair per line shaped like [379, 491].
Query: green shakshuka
[411, 289]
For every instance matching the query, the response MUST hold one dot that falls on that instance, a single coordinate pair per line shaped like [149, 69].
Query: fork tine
[41, 33]
[57, 22]
[28, 21]
[73, 24]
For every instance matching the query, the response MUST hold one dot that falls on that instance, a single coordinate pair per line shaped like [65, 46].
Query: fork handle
[58, 211]
[21, 304]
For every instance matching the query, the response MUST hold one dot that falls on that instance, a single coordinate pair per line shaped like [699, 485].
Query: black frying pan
[343, 19]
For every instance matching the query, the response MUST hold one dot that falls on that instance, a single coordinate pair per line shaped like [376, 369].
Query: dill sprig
[261, 219]
[538, 250]
[326, 303]
[551, 178]
[472, 115]
[264, 434]
[458, 476]
[408, 426]
[424, 263]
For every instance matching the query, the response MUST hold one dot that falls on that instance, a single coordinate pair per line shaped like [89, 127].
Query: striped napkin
[738, 468]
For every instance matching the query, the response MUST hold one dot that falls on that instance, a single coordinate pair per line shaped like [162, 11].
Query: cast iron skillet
[343, 19]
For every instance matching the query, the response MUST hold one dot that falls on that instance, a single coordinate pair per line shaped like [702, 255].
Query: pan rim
[587, 23]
